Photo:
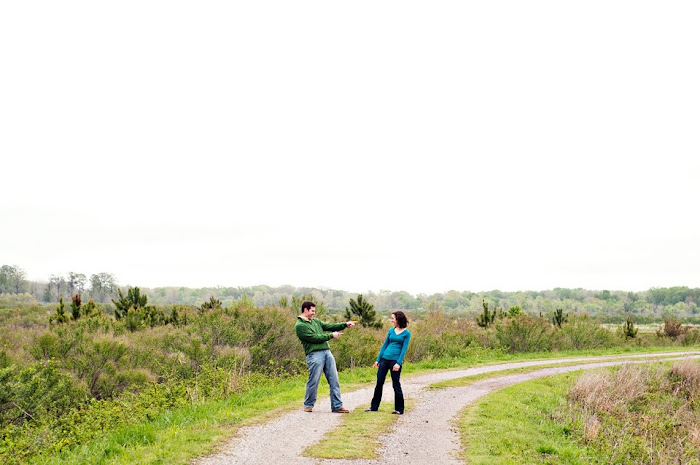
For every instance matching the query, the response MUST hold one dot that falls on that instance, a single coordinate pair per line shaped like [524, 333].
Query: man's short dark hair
[307, 305]
[401, 318]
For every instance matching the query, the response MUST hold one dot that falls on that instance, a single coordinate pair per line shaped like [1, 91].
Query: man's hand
[350, 323]
[337, 334]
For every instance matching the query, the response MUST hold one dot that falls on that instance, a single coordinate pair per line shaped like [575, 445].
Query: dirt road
[424, 434]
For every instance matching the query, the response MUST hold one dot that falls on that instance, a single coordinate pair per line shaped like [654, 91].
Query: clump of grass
[687, 376]
[604, 391]
[638, 414]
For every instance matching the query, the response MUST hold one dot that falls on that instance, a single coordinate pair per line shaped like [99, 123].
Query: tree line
[103, 287]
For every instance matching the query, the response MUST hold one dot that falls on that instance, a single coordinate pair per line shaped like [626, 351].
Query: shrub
[583, 332]
[358, 346]
[36, 391]
[524, 334]
[672, 328]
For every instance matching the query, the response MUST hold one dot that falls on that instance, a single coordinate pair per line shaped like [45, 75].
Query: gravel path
[424, 434]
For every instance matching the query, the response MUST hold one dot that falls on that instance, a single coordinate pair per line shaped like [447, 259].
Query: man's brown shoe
[308, 409]
[341, 410]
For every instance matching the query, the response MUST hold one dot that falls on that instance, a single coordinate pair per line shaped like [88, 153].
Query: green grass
[514, 426]
[179, 435]
[357, 436]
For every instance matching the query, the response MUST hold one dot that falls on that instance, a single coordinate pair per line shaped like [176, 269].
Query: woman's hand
[376, 365]
[397, 367]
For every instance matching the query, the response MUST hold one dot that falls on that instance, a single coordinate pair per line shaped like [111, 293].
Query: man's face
[310, 313]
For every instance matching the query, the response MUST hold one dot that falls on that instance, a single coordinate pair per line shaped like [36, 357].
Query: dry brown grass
[607, 392]
[687, 373]
[639, 414]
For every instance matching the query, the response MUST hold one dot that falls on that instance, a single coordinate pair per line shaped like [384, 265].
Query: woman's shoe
[396, 412]
[369, 410]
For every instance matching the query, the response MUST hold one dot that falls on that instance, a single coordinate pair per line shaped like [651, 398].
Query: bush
[524, 334]
[583, 332]
[39, 390]
[358, 346]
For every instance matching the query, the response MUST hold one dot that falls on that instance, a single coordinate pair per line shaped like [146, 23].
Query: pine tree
[485, 319]
[61, 316]
[133, 300]
[628, 329]
[75, 306]
[559, 317]
[211, 305]
[364, 311]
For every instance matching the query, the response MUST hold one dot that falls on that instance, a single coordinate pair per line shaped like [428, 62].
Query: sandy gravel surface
[424, 435]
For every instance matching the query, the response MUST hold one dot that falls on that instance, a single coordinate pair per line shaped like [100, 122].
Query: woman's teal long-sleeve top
[395, 346]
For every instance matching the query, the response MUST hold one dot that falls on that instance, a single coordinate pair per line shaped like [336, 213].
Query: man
[314, 337]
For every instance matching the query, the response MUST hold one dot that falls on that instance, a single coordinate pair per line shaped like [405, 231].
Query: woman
[391, 358]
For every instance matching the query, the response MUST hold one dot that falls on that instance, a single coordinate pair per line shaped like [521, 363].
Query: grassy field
[179, 435]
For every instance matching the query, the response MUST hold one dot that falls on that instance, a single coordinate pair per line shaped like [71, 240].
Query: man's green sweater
[313, 335]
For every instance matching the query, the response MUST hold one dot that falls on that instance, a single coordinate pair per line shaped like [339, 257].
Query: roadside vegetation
[633, 414]
[87, 381]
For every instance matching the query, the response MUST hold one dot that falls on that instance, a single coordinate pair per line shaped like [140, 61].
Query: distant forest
[651, 304]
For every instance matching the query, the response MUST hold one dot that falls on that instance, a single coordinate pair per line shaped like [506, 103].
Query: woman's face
[393, 320]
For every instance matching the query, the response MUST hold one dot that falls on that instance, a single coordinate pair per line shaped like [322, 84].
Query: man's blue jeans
[322, 361]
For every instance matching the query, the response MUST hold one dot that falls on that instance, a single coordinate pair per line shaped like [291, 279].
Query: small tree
[75, 306]
[132, 301]
[90, 309]
[60, 316]
[211, 305]
[628, 329]
[485, 319]
[559, 317]
[515, 311]
[364, 311]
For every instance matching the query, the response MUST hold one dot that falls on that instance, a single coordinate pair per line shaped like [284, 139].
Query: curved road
[427, 428]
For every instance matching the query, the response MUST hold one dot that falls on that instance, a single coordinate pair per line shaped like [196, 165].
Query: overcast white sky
[418, 146]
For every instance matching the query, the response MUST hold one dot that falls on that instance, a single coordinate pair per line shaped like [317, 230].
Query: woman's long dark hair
[401, 318]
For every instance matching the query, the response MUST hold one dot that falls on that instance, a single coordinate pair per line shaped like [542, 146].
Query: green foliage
[321, 309]
[515, 311]
[60, 316]
[364, 311]
[487, 317]
[132, 300]
[628, 330]
[75, 306]
[524, 334]
[90, 309]
[582, 332]
[37, 390]
[213, 303]
[440, 336]
[559, 317]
